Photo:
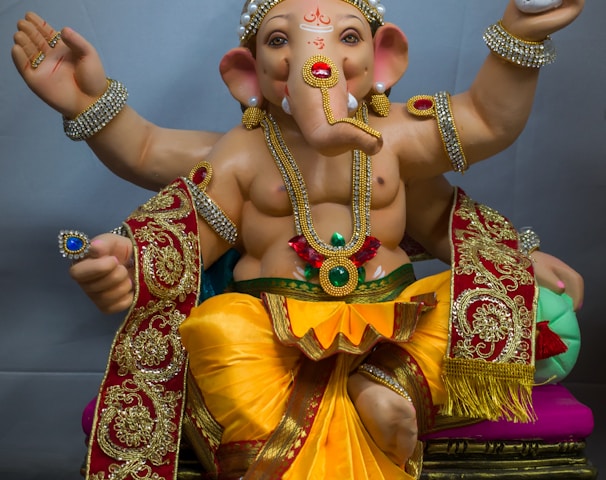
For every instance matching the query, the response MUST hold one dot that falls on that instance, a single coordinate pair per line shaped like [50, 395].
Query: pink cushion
[88, 415]
[561, 418]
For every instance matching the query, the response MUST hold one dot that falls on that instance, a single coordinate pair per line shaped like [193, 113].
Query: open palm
[70, 77]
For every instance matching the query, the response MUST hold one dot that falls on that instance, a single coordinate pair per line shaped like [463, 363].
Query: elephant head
[317, 60]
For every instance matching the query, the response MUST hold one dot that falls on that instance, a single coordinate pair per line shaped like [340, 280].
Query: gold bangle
[99, 114]
[197, 181]
[529, 240]
[515, 50]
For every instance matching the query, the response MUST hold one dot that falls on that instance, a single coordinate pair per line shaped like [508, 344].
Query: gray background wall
[53, 343]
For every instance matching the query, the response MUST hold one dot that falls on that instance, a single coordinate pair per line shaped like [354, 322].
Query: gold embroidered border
[236, 458]
[137, 427]
[405, 317]
[489, 367]
[375, 291]
[200, 427]
[288, 439]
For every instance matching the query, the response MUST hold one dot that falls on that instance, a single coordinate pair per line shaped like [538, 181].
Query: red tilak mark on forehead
[317, 17]
[319, 43]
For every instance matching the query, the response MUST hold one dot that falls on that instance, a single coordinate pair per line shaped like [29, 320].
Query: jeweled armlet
[197, 181]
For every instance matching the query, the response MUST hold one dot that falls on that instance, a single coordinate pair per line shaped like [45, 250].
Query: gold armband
[438, 106]
[197, 180]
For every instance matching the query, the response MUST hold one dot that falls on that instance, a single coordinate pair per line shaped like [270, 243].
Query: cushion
[561, 418]
[558, 310]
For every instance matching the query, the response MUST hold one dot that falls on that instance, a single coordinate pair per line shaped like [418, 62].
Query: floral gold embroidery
[487, 312]
[164, 266]
[137, 427]
[139, 349]
[151, 347]
[134, 426]
[488, 370]
[492, 327]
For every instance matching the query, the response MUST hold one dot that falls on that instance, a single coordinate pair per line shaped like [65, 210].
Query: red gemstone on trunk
[423, 104]
[321, 70]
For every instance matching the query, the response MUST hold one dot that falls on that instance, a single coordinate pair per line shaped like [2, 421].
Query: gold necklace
[338, 271]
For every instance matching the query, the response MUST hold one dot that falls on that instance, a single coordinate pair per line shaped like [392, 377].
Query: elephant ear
[391, 55]
[238, 70]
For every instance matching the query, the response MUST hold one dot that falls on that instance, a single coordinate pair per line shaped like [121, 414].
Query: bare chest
[327, 182]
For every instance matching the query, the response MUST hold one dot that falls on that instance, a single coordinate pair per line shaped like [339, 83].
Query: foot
[389, 418]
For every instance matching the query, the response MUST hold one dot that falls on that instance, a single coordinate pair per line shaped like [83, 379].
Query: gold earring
[253, 115]
[379, 102]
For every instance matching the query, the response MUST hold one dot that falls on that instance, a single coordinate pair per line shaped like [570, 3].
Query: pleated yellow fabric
[339, 445]
[429, 342]
[351, 320]
[246, 375]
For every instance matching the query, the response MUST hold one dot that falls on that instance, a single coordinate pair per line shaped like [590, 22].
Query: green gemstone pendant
[338, 276]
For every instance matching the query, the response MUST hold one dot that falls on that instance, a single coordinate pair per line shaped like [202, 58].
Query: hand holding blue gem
[73, 244]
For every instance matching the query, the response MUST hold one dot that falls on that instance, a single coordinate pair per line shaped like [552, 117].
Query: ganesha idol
[323, 356]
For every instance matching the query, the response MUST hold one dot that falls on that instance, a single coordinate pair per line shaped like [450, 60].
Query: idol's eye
[277, 40]
[350, 37]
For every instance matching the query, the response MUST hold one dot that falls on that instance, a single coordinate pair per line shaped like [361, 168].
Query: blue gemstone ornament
[73, 244]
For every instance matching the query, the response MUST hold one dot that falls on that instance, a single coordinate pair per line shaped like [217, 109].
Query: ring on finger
[38, 60]
[54, 40]
[73, 244]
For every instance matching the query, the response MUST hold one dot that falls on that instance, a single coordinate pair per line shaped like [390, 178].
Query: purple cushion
[561, 418]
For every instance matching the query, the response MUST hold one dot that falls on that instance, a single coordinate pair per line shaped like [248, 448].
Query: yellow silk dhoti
[246, 376]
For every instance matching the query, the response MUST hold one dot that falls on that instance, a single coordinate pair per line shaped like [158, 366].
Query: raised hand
[537, 26]
[62, 68]
[105, 274]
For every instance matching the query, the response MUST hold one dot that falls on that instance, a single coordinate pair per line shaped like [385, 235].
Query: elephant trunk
[318, 98]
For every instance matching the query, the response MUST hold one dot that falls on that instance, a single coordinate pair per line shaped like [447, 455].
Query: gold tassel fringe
[488, 390]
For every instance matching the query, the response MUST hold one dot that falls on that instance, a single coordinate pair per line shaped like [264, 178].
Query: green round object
[558, 310]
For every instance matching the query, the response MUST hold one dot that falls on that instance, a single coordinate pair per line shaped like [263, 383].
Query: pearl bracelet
[517, 51]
